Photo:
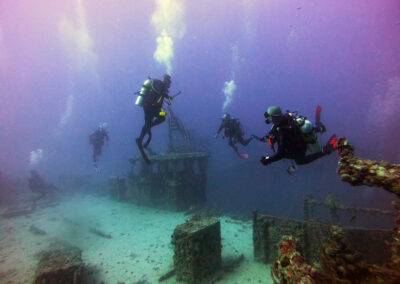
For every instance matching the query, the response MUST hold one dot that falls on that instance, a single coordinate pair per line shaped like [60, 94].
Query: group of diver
[295, 136]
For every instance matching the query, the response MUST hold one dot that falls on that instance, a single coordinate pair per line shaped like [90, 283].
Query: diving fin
[244, 156]
[318, 115]
[331, 145]
[319, 125]
[146, 144]
[150, 151]
[142, 152]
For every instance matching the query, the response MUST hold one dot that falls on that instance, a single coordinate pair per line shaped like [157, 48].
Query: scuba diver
[97, 139]
[234, 131]
[38, 185]
[294, 135]
[151, 98]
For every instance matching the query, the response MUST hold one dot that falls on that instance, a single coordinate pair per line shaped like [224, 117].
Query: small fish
[352, 218]
[299, 8]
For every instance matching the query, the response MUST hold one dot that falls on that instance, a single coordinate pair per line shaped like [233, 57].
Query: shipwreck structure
[197, 249]
[359, 171]
[61, 263]
[175, 180]
[343, 254]
[372, 243]
[268, 231]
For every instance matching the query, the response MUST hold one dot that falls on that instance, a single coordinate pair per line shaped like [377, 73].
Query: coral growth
[289, 266]
[340, 263]
[395, 264]
[390, 272]
[358, 171]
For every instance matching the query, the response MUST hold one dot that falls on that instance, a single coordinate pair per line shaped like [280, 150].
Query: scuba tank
[143, 92]
[139, 100]
[305, 125]
[307, 130]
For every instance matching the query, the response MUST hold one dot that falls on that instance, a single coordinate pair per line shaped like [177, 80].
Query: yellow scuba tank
[145, 87]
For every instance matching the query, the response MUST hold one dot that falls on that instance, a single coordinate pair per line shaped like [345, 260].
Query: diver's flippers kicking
[141, 146]
[232, 143]
[234, 132]
[149, 135]
[141, 150]
[318, 124]
[145, 146]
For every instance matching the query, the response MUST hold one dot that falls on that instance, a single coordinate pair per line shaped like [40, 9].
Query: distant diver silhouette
[234, 132]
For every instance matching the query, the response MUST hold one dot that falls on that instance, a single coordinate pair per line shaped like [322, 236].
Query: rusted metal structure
[175, 180]
[117, 188]
[197, 249]
[268, 230]
[61, 263]
[334, 206]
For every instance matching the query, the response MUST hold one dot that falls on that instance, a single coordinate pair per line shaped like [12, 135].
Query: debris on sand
[36, 231]
[100, 233]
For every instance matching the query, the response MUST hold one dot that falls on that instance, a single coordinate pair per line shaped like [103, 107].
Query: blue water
[67, 66]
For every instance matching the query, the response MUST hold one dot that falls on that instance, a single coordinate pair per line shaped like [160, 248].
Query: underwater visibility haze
[67, 67]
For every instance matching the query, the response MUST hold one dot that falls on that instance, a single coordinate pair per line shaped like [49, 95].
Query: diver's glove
[265, 160]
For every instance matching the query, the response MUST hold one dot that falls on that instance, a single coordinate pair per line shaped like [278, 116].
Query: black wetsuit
[152, 107]
[97, 139]
[291, 142]
[234, 131]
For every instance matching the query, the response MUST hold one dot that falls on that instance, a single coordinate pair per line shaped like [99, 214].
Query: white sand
[140, 247]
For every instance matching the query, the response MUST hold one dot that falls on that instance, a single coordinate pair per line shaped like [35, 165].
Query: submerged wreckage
[313, 252]
[299, 251]
[175, 180]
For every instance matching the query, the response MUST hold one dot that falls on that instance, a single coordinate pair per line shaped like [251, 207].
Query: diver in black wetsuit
[151, 98]
[97, 139]
[234, 131]
[292, 142]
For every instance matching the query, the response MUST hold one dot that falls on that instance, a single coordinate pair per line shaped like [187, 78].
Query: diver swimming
[97, 140]
[233, 130]
[295, 135]
[151, 98]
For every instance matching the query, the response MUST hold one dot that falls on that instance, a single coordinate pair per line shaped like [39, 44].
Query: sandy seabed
[139, 249]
